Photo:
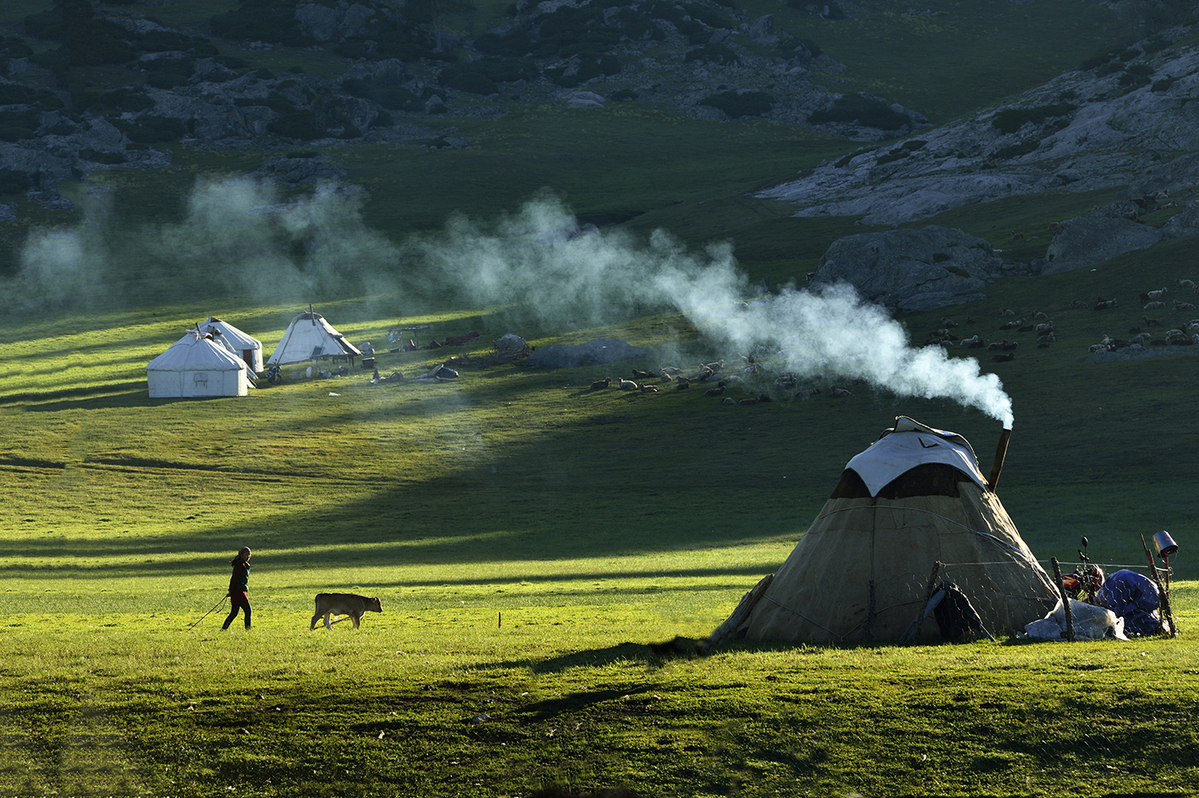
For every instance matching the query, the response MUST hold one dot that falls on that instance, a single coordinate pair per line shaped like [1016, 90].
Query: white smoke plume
[542, 261]
[238, 236]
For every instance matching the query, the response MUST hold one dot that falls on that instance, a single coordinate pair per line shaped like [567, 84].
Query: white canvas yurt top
[910, 515]
[196, 365]
[245, 346]
[310, 337]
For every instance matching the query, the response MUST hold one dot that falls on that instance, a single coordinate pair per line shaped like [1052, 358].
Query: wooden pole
[1162, 592]
[1061, 589]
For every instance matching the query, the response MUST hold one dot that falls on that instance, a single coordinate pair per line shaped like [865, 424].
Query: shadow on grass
[651, 654]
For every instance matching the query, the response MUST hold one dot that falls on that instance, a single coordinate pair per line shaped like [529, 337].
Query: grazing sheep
[1007, 312]
[728, 400]
[1007, 347]
[1047, 338]
[1011, 325]
[1042, 329]
[1183, 305]
[1154, 305]
[598, 384]
[673, 371]
[1104, 304]
[995, 346]
[1185, 284]
[1148, 322]
[649, 388]
[682, 383]
[979, 344]
[948, 322]
[968, 341]
[1040, 315]
[628, 385]
[1157, 293]
[1078, 304]
[1004, 356]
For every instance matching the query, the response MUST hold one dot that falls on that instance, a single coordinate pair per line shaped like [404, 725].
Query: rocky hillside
[701, 58]
[1128, 118]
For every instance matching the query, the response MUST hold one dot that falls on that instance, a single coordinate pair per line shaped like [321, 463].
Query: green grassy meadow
[533, 541]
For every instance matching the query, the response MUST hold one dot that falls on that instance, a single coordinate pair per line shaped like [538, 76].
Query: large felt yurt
[911, 516]
[310, 337]
[244, 345]
[197, 366]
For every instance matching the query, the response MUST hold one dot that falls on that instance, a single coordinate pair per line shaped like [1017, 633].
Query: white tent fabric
[894, 454]
[310, 337]
[195, 365]
[245, 346]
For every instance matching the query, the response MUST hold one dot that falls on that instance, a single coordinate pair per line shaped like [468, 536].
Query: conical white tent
[196, 365]
[245, 346]
[910, 513]
[310, 337]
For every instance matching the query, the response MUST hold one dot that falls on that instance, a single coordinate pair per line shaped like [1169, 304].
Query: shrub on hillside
[14, 182]
[152, 129]
[515, 43]
[862, 110]
[124, 99]
[162, 41]
[739, 104]
[1136, 75]
[590, 66]
[637, 27]
[297, 124]
[468, 78]
[712, 17]
[260, 20]
[718, 53]
[98, 156]
[16, 94]
[13, 131]
[1010, 120]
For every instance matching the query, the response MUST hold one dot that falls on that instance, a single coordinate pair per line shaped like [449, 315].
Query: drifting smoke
[238, 237]
[544, 262]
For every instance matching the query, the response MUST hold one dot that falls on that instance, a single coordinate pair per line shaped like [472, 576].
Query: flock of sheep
[715, 379]
[1145, 331]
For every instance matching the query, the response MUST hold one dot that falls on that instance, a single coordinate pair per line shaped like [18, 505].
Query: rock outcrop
[914, 270]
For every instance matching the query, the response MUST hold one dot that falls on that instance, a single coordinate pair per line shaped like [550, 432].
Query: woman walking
[238, 587]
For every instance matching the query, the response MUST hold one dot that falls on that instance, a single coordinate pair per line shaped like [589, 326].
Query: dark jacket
[239, 582]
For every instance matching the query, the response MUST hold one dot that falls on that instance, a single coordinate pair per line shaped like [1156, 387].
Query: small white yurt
[310, 337]
[245, 346]
[196, 365]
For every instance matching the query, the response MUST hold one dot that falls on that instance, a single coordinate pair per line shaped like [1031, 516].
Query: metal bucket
[1165, 545]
